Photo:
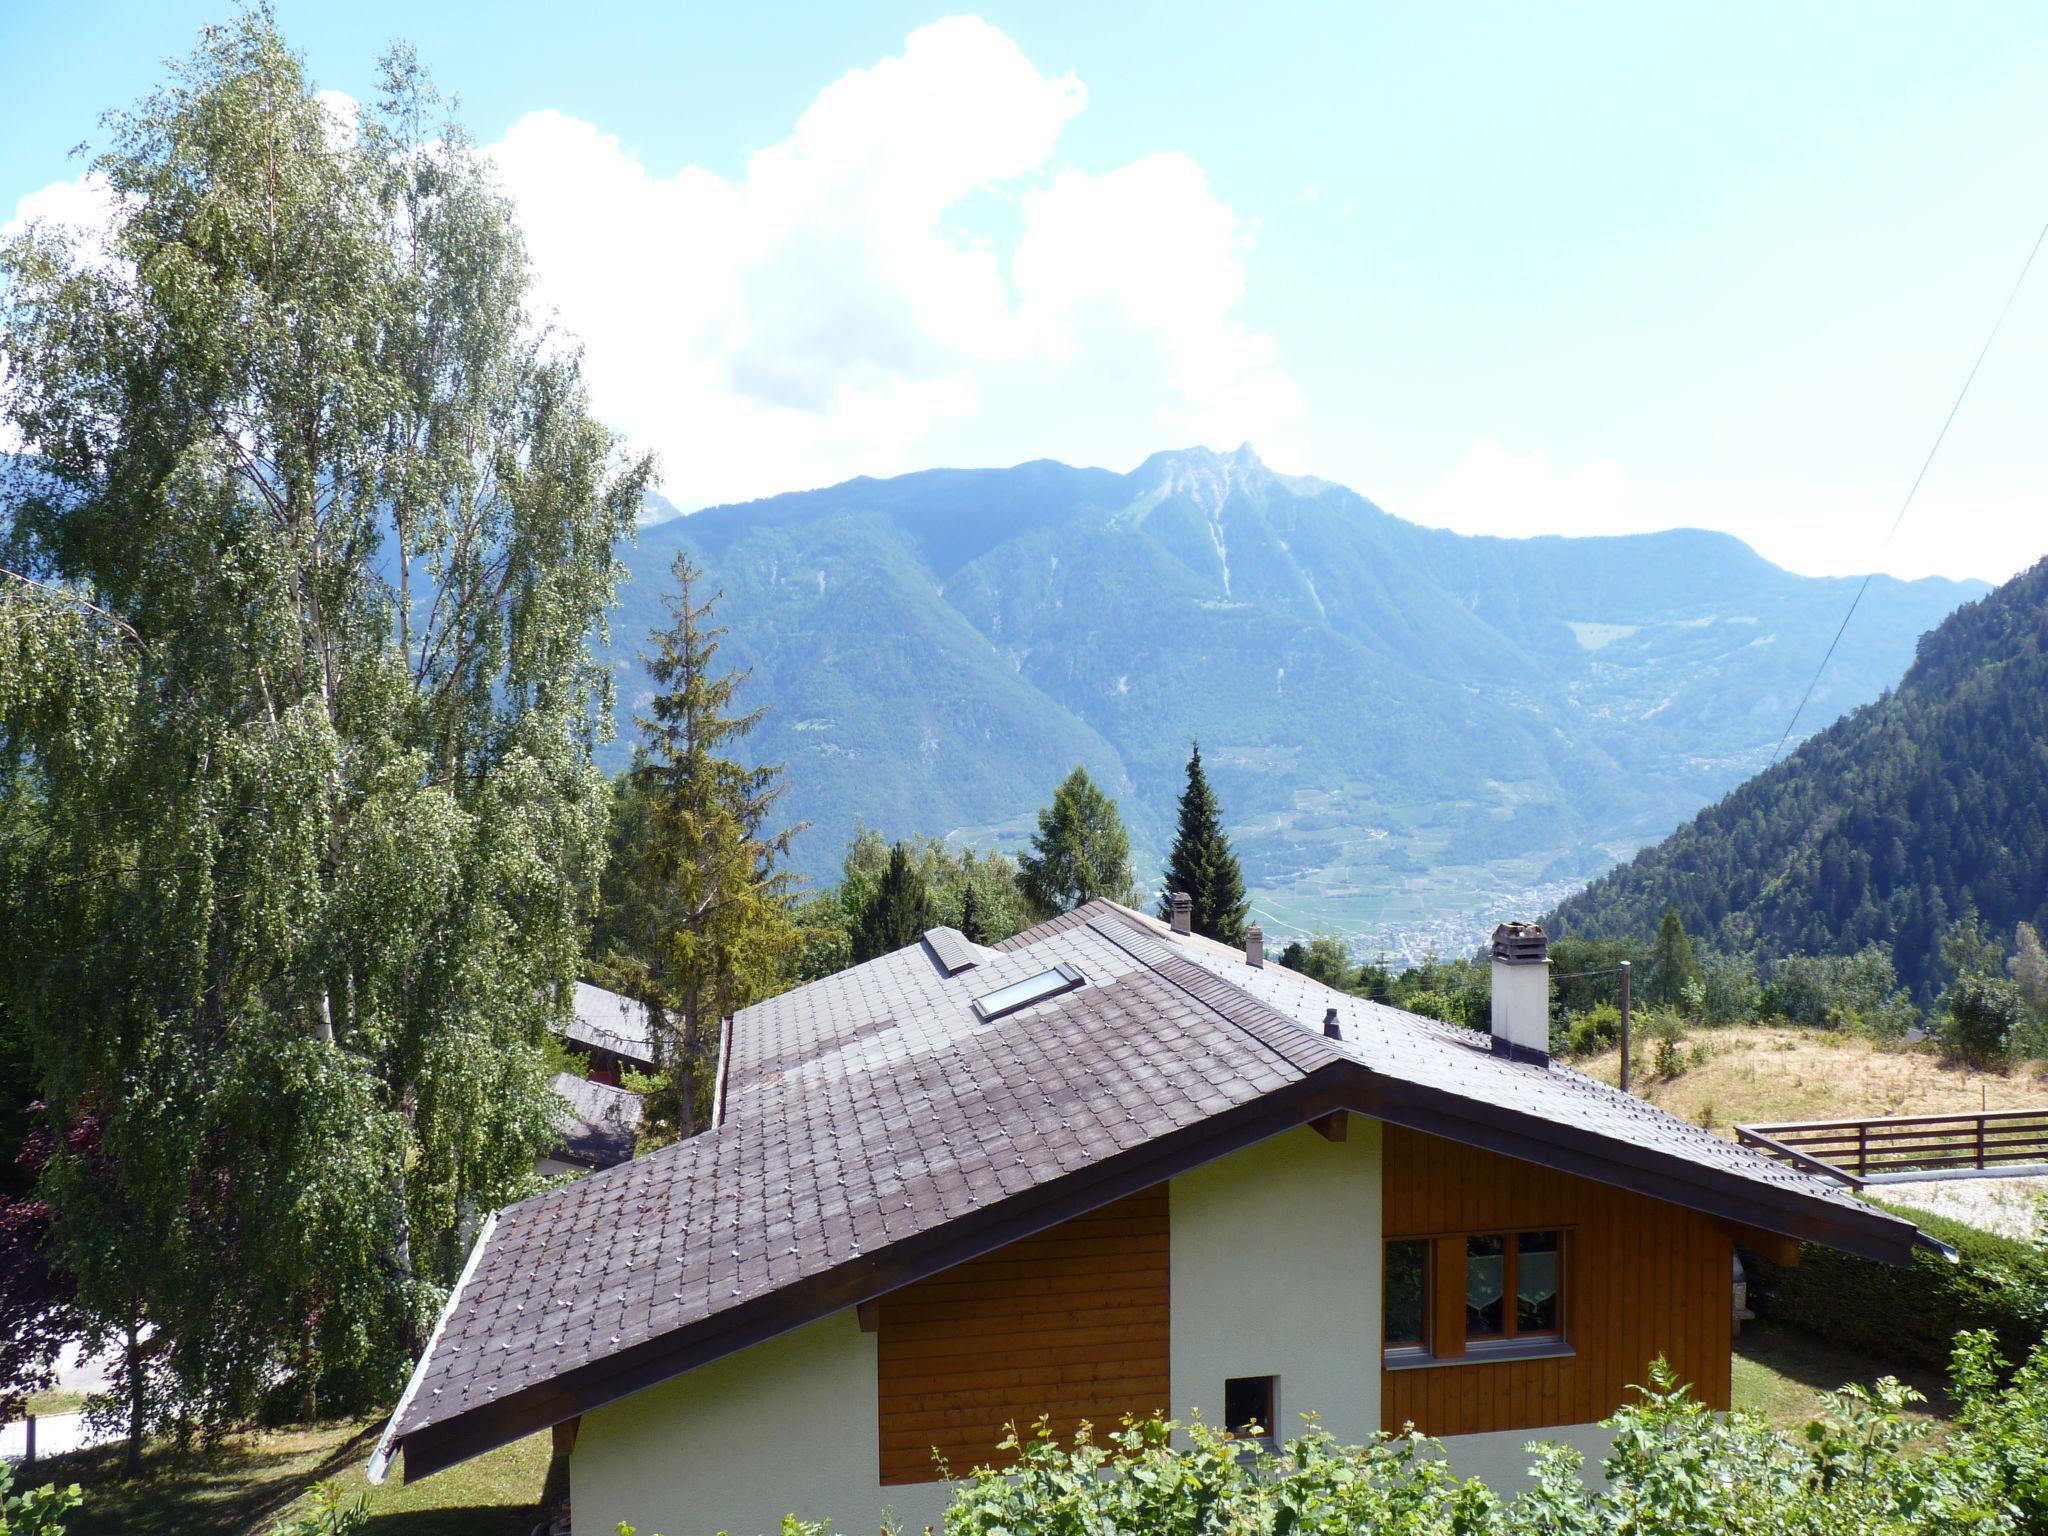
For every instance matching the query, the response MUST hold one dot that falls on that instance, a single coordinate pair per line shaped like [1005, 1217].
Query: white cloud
[1494, 491]
[832, 309]
[84, 206]
[344, 116]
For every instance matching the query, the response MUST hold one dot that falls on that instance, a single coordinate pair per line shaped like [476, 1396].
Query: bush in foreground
[1675, 1466]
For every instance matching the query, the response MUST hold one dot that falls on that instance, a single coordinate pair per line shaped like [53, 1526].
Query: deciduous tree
[311, 531]
[1080, 851]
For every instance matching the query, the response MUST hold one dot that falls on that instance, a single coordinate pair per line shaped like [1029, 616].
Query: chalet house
[600, 1124]
[1103, 1168]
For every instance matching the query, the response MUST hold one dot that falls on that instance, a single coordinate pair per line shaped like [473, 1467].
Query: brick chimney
[1255, 945]
[1521, 993]
[1183, 908]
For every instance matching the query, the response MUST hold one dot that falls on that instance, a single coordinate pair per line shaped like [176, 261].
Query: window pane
[1407, 1290]
[1248, 1405]
[1536, 1276]
[1486, 1260]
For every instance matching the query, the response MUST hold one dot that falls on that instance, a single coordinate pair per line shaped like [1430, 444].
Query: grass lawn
[1781, 1373]
[43, 1404]
[245, 1485]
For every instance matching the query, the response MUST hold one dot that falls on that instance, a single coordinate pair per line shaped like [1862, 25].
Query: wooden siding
[1071, 1323]
[1642, 1278]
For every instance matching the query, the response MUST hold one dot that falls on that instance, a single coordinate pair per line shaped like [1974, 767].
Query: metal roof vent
[1331, 1027]
[1023, 994]
[1182, 906]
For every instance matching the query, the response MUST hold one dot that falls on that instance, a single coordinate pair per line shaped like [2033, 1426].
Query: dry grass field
[1762, 1072]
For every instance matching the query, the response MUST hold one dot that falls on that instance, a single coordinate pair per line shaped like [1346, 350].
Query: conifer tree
[1080, 850]
[1672, 965]
[898, 913]
[714, 900]
[1203, 865]
[973, 926]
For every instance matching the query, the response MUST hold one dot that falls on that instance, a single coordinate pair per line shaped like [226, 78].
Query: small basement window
[1248, 1407]
[1032, 989]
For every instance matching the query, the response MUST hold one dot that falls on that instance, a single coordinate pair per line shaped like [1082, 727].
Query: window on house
[1407, 1295]
[1248, 1407]
[1512, 1286]
[1032, 989]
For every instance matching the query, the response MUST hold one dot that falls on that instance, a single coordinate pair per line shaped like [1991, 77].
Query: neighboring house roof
[605, 1021]
[600, 1125]
[873, 1130]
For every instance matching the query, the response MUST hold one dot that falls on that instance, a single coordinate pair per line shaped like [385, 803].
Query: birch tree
[311, 528]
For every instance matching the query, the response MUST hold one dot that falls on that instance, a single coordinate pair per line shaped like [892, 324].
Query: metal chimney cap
[1182, 907]
[1521, 943]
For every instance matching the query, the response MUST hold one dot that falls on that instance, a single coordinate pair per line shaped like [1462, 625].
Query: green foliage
[1202, 865]
[711, 927]
[35, 1511]
[1912, 1314]
[1858, 993]
[899, 911]
[964, 889]
[1882, 827]
[333, 1514]
[1325, 957]
[1080, 851]
[1672, 969]
[1982, 1021]
[1597, 1029]
[296, 715]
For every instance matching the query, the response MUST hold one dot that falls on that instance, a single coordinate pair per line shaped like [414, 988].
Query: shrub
[1983, 1014]
[1594, 1031]
[332, 1514]
[1997, 1284]
[1670, 1058]
[36, 1512]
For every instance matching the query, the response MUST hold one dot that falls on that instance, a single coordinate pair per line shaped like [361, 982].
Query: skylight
[1032, 989]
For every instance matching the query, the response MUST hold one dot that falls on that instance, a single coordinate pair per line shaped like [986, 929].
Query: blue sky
[1508, 269]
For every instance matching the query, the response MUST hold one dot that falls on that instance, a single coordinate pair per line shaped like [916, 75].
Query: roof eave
[1343, 1085]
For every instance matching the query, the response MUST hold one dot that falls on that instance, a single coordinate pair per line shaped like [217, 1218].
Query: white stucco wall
[1501, 1458]
[787, 1427]
[1276, 1272]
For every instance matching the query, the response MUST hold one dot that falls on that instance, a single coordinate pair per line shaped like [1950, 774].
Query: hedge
[1911, 1315]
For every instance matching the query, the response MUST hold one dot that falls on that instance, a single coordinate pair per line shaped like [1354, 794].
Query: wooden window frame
[1444, 1303]
[1510, 1296]
[1411, 1349]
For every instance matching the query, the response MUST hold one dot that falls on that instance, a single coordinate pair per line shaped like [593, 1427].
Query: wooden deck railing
[1855, 1150]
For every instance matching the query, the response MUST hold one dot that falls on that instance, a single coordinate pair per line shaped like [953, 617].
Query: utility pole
[1625, 967]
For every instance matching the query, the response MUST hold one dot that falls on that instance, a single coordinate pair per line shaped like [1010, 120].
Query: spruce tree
[1672, 964]
[973, 926]
[898, 913]
[1080, 851]
[1203, 865]
[715, 899]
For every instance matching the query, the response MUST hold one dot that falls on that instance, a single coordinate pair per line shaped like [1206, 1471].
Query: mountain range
[1887, 825]
[1410, 729]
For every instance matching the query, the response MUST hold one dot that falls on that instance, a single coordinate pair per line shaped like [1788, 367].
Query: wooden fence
[1856, 1150]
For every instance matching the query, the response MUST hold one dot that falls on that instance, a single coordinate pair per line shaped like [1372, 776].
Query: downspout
[387, 1447]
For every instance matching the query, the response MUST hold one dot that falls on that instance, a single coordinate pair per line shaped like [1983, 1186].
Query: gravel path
[2011, 1206]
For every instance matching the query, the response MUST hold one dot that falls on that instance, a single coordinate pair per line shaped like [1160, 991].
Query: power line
[1928, 461]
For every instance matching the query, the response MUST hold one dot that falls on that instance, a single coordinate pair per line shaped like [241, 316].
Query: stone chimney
[1255, 945]
[1521, 993]
[1183, 907]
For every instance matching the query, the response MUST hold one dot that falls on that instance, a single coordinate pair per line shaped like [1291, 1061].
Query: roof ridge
[1264, 1024]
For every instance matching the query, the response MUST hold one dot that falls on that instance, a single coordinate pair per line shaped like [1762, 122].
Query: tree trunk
[308, 1405]
[135, 1400]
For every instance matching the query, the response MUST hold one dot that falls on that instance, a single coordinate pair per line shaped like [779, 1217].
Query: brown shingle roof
[874, 1130]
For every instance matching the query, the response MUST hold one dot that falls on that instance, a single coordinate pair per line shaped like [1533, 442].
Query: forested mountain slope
[1884, 826]
[1400, 721]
